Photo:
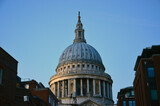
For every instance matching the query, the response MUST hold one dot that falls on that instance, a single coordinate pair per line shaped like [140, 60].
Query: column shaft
[100, 88]
[58, 90]
[88, 86]
[104, 89]
[107, 90]
[69, 88]
[111, 91]
[81, 86]
[63, 91]
[55, 88]
[75, 86]
[94, 92]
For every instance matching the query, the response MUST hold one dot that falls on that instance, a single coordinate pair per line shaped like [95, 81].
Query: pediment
[89, 103]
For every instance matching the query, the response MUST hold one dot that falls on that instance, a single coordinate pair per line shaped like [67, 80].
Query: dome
[80, 52]
[81, 74]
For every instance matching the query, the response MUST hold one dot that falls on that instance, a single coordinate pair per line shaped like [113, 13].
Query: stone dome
[80, 75]
[80, 52]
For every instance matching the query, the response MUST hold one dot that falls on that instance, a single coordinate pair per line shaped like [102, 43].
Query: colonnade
[82, 87]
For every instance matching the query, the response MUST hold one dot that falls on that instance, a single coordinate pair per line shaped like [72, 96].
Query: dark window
[124, 103]
[134, 103]
[73, 66]
[79, 33]
[150, 72]
[83, 65]
[1, 76]
[92, 66]
[64, 67]
[78, 65]
[132, 93]
[88, 65]
[154, 95]
[130, 103]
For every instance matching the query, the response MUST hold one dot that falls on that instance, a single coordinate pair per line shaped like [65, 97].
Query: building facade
[38, 90]
[147, 77]
[13, 92]
[8, 73]
[80, 75]
[126, 97]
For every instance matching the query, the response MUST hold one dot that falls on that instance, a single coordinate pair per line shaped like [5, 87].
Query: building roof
[1, 49]
[147, 53]
[79, 52]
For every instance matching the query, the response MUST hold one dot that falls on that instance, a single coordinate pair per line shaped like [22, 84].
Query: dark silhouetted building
[8, 73]
[13, 92]
[126, 97]
[147, 77]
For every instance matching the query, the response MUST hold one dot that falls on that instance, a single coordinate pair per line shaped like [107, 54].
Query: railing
[75, 71]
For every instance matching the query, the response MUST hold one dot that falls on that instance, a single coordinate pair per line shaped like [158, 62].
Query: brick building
[38, 90]
[147, 77]
[126, 97]
[13, 92]
[8, 73]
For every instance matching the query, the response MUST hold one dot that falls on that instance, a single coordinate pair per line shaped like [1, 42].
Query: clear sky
[35, 33]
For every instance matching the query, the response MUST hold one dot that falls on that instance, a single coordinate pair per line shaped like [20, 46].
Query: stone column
[81, 86]
[94, 92]
[58, 90]
[55, 88]
[75, 86]
[108, 90]
[111, 91]
[100, 88]
[63, 91]
[104, 89]
[69, 88]
[88, 86]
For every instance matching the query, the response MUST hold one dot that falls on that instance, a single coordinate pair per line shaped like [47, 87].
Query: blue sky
[35, 33]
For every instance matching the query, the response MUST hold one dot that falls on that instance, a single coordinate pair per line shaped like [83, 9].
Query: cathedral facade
[80, 75]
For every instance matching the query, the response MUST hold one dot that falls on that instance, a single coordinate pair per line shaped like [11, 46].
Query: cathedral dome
[80, 52]
[80, 75]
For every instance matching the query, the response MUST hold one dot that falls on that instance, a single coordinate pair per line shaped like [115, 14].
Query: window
[132, 93]
[124, 103]
[130, 103]
[134, 103]
[154, 95]
[73, 66]
[127, 95]
[150, 72]
[92, 66]
[79, 33]
[83, 65]
[96, 67]
[88, 65]
[1, 76]
[78, 65]
[27, 86]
